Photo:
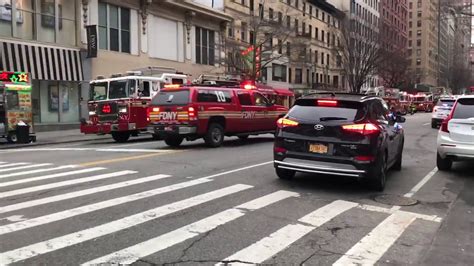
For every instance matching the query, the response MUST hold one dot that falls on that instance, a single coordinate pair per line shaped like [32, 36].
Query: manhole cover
[396, 200]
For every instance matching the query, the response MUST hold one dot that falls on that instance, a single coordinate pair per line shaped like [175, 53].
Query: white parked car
[441, 111]
[456, 135]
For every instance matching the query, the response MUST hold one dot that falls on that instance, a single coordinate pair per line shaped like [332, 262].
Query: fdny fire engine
[118, 105]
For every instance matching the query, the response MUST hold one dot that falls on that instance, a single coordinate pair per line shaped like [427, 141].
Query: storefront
[56, 74]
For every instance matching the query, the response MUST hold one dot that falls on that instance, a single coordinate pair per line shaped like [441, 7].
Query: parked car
[441, 111]
[339, 134]
[193, 112]
[456, 135]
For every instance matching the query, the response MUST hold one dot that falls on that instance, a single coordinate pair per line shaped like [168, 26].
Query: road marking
[284, 237]
[24, 167]
[75, 194]
[425, 124]
[421, 183]
[38, 171]
[239, 169]
[54, 217]
[132, 254]
[57, 243]
[430, 218]
[94, 149]
[121, 159]
[64, 183]
[12, 164]
[38, 178]
[372, 247]
[14, 218]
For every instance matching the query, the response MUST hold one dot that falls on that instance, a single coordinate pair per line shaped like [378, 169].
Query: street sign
[91, 41]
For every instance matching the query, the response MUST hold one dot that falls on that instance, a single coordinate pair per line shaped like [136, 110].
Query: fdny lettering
[123, 116]
[248, 115]
[168, 115]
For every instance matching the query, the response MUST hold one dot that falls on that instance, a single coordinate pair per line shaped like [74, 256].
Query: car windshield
[118, 89]
[464, 109]
[98, 91]
[446, 103]
[178, 97]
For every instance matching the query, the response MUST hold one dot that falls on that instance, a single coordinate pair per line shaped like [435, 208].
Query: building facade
[42, 37]
[316, 22]
[394, 25]
[364, 16]
[423, 41]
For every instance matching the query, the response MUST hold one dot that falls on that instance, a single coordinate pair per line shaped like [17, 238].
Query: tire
[214, 136]
[174, 141]
[398, 164]
[443, 164]
[12, 138]
[243, 137]
[120, 137]
[285, 174]
[434, 124]
[378, 177]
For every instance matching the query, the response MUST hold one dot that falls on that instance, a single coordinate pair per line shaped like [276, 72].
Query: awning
[284, 92]
[43, 62]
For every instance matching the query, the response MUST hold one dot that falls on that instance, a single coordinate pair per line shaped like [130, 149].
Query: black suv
[339, 134]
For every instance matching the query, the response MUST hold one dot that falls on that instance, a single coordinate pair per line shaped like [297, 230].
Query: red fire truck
[118, 105]
[423, 102]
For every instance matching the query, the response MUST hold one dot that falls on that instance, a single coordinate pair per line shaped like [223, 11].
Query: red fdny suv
[192, 112]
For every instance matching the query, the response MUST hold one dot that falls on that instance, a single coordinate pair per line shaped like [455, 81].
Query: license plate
[318, 148]
[168, 128]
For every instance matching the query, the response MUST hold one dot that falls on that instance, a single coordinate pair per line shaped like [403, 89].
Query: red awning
[284, 92]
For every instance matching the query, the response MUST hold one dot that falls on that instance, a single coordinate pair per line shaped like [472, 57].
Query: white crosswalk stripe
[64, 183]
[12, 164]
[38, 171]
[134, 253]
[368, 251]
[45, 177]
[279, 240]
[115, 226]
[372, 247]
[23, 167]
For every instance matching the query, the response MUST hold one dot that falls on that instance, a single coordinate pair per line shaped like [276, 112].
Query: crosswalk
[25, 186]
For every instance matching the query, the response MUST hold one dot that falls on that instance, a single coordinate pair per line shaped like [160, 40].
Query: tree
[271, 39]
[393, 68]
[360, 56]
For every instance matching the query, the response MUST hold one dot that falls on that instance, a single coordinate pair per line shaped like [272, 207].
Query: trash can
[23, 133]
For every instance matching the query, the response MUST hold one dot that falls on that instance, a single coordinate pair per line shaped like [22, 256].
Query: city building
[364, 15]
[42, 37]
[313, 25]
[423, 42]
[394, 25]
[447, 30]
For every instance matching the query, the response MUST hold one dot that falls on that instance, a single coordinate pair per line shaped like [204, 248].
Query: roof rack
[216, 80]
[155, 70]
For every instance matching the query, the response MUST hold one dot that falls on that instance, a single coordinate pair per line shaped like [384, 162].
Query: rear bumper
[318, 167]
[164, 130]
[447, 148]
[107, 128]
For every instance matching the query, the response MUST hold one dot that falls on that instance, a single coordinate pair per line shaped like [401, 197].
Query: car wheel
[214, 136]
[120, 136]
[285, 173]
[378, 177]
[12, 138]
[443, 164]
[433, 124]
[174, 141]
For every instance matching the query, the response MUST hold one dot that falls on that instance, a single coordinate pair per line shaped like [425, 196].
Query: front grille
[108, 118]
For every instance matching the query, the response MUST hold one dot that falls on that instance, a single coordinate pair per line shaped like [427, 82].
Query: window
[322, 58]
[418, 62]
[280, 47]
[418, 33]
[418, 23]
[214, 96]
[322, 36]
[114, 28]
[327, 59]
[290, 75]
[260, 100]
[261, 11]
[270, 14]
[304, 27]
[316, 33]
[279, 72]
[288, 49]
[418, 52]
[280, 18]
[288, 22]
[244, 98]
[251, 37]
[146, 85]
[419, 14]
[205, 43]
[418, 43]
[243, 32]
[251, 5]
[296, 25]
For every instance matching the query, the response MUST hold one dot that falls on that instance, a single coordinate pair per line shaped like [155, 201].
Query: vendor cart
[16, 123]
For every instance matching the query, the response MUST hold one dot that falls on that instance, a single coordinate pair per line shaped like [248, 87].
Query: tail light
[445, 123]
[364, 158]
[279, 149]
[364, 129]
[328, 103]
[148, 114]
[284, 122]
[192, 114]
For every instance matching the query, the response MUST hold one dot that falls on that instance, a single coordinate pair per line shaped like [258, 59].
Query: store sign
[14, 77]
[91, 41]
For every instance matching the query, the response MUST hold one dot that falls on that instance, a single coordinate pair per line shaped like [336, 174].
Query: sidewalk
[54, 137]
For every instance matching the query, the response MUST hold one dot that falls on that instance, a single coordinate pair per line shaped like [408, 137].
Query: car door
[247, 112]
[382, 118]
[261, 121]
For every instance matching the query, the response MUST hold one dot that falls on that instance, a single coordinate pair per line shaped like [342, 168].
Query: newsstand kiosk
[16, 118]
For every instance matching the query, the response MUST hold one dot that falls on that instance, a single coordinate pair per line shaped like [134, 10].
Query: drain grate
[395, 200]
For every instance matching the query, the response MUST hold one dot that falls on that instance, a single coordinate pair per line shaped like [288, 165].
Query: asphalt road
[143, 203]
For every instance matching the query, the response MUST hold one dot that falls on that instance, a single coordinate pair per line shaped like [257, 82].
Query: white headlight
[91, 112]
[123, 110]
